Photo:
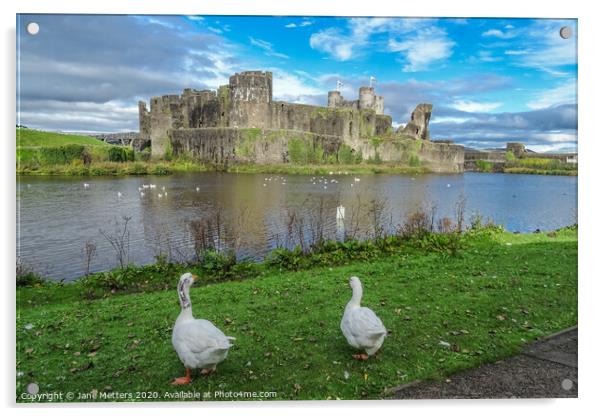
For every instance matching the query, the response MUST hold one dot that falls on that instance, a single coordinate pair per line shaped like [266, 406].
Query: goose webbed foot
[208, 371]
[360, 357]
[179, 381]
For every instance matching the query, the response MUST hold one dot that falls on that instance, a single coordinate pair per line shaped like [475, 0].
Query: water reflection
[56, 216]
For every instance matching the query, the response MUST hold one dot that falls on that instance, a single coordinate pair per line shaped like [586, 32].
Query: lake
[254, 213]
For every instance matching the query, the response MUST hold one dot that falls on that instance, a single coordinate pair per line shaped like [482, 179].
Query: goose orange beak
[194, 277]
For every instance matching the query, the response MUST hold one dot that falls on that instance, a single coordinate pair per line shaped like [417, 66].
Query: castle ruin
[240, 122]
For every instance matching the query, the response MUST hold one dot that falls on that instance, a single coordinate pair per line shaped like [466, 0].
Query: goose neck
[356, 298]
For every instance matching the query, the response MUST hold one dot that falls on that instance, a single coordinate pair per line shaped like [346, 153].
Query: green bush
[120, 154]
[60, 155]
[303, 152]
[484, 166]
[347, 156]
[29, 279]
[414, 161]
[226, 266]
[286, 259]
[143, 156]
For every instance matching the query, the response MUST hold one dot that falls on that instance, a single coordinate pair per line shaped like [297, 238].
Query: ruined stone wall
[144, 121]
[417, 127]
[250, 99]
[383, 125]
[202, 109]
[289, 116]
[225, 146]
[437, 157]
[165, 113]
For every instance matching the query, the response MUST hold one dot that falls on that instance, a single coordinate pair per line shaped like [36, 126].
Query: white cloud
[351, 43]
[496, 33]
[333, 42]
[455, 120]
[289, 87]
[474, 107]
[548, 52]
[267, 47]
[563, 94]
[516, 52]
[488, 56]
[424, 48]
[304, 23]
[80, 116]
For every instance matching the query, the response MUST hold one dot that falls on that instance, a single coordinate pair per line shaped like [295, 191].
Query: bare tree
[351, 232]
[120, 241]
[460, 211]
[377, 213]
[89, 251]
[316, 223]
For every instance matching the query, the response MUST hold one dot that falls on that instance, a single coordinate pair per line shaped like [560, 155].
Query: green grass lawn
[34, 138]
[500, 292]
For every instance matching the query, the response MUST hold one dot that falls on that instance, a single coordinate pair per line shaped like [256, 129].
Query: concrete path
[545, 369]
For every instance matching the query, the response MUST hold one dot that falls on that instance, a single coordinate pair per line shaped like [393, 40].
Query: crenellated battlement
[246, 102]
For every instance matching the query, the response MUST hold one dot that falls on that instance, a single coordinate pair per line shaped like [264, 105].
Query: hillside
[37, 138]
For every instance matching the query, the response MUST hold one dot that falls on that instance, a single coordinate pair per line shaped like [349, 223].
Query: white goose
[360, 325]
[198, 342]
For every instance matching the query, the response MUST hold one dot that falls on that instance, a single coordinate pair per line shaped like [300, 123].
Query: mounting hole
[33, 28]
[566, 32]
[567, 384]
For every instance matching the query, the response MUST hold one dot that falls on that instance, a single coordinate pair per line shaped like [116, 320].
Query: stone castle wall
[204, 123]
[224, 146]
[437, 157]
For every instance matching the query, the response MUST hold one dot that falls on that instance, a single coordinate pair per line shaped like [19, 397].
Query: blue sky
[489, 80]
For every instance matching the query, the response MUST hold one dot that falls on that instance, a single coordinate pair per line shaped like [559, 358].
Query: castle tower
[379, 104]
[366, 100]
[250, 99]
[334, 99]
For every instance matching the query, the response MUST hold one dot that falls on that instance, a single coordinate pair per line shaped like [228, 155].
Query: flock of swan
[201, 345]
[315, 180]
[321, 180]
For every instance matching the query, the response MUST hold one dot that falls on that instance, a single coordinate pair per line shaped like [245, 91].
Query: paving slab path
[546, 368]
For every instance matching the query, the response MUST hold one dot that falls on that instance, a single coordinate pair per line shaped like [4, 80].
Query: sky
[490, 80]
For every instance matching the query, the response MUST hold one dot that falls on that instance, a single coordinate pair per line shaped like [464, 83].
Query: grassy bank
[48, 153]
[113, 168]
[295, 169]
[533, 171]
[497, 292]
[530, 165]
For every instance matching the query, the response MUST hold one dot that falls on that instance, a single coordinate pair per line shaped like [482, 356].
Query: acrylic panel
[295, 208]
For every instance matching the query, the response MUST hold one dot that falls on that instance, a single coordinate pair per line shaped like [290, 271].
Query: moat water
[56, 216]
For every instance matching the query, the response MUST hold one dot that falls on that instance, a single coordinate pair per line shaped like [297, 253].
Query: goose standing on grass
[198, 342]
[360, 325]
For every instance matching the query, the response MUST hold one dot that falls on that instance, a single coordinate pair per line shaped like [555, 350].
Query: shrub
[484, 166]
[143, 156]
[449, 243]
[348, 156]
[414, 161]
[120, 154]
[60, 155]
[287, 259]
[26, 276]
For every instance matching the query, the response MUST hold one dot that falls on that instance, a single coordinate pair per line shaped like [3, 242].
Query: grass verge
[498, 292]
